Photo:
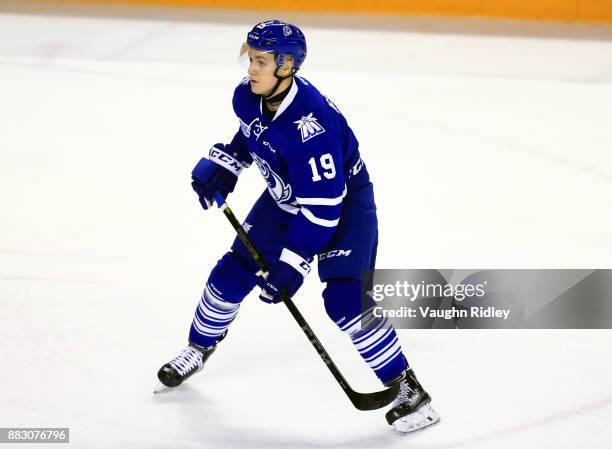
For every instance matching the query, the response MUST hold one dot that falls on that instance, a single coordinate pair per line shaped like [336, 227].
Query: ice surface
[486, 150]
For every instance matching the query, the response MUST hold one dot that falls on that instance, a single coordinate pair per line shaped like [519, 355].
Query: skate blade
[161, 388]
[422, 418]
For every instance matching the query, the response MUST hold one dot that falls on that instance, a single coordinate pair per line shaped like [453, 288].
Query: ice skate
[184, 365]
[411, 409]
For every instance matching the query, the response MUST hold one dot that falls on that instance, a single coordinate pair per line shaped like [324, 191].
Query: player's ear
[287, 67]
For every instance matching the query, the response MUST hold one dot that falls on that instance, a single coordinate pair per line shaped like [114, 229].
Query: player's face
[261, 71]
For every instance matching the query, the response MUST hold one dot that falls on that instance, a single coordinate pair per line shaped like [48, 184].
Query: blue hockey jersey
[308, 156]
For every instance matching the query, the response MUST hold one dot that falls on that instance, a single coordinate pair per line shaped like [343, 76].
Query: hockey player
[319, 203]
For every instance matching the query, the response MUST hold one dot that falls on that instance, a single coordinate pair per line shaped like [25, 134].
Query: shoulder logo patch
[309, 127]
[333, 105]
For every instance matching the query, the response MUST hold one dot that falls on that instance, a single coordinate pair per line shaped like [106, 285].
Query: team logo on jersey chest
[255, 126]
[309, 127]
[279, 190]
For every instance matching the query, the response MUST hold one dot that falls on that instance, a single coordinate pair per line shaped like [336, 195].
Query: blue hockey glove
[217, 173]
[287, 274]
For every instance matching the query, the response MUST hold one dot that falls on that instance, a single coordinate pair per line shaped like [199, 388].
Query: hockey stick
[362, 401]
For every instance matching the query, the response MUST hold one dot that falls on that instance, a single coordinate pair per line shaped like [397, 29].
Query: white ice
[487, 150]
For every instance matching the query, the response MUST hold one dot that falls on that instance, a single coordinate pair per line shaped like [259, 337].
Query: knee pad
[342, 298]
[230, 280]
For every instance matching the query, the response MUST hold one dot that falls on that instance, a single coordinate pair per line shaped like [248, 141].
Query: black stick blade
[373, 401]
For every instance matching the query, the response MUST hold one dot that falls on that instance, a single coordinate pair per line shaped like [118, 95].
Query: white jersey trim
[319, 221]
[287, 207]
[322, 201]
[287, 100]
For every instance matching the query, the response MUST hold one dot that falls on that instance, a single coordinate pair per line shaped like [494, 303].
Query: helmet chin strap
[279, 79]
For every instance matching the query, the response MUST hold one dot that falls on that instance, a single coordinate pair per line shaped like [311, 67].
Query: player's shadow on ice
[203, 425]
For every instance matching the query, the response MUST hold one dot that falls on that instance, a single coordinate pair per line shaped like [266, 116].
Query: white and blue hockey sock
[212, 318]
[227, 286]
[374, 338]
